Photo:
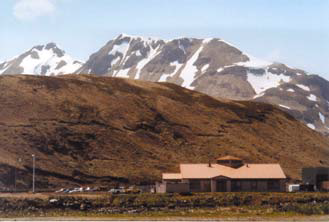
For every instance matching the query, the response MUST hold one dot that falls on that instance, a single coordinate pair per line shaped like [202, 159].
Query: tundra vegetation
[204, 205]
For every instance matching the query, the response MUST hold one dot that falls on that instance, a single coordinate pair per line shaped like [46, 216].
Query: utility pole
[15, 180]
[33, 175]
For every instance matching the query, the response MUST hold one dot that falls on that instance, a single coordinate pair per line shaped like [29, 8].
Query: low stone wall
[308, 203]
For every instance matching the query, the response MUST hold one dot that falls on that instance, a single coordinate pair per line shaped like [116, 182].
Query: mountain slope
[217, 68]
[41, 60]
[92, 130]
[211, 66]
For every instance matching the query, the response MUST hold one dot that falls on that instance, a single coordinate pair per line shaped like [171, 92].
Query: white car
[117, 190]
[59, 191]
[77, 189]
[293, 187]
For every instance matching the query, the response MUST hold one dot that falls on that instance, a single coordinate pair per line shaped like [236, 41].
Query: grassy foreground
[197, 205]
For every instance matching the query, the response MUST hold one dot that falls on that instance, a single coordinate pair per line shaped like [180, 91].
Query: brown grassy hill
[88, 130]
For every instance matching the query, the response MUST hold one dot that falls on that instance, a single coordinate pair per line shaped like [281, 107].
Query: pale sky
[295, 32]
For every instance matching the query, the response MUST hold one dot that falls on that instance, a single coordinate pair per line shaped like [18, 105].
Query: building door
[221, 186]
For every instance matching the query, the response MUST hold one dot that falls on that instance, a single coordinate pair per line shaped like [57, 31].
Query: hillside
[91, 130]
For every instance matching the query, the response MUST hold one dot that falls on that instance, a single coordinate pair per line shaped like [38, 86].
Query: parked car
[77, 189]
[66, 190]
[87, 189]
[117, 190]
[59, 191]
[132, 190]
[293, 187]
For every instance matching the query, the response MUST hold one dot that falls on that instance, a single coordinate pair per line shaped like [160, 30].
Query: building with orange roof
[227, 174]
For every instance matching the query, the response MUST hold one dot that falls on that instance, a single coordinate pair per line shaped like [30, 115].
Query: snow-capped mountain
[125, 56]
[212, 66]
[41, 60]
[217, 68]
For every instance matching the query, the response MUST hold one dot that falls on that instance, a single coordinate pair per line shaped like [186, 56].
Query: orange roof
[171, 176]
[228, 158]
[249, 171]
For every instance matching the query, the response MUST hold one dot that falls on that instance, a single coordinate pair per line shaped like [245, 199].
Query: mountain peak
[136, 37]
[49, 46]
[46, 59]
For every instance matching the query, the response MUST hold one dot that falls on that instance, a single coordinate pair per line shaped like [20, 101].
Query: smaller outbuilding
[318, 177]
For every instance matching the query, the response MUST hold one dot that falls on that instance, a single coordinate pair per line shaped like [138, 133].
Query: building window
[224, 161]
[273, 185]
[236, 185]
[195, 185]
[206, 186]
[237, 162]
[253, 184]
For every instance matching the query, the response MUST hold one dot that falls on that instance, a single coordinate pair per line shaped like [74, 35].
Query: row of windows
[195, 185]
[254, 185]
[236, 185]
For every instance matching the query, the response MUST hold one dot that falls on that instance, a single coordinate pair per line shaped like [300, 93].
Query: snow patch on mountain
[310, 125]
[122, 48]
[220, 69]
[312, 97]
[32, 65]
[204, 68]
[254, 62]
[322, 118]
[181, 47]
[189, 71]
[259, 95]
[5, 66]
[114, 61]
[177, 66]
[123, 73]
[150, 55]
[306, 88]
[287, 107]
[266, 81]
